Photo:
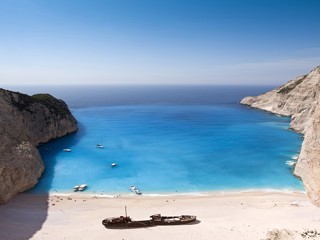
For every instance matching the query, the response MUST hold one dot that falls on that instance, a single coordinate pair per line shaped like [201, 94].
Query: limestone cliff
[299, 98]
[25, 122]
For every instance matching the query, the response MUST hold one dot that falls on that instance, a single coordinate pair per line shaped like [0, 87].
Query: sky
[225, 42]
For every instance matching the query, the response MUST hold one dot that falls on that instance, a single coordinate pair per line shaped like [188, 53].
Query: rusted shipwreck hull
[156, 219]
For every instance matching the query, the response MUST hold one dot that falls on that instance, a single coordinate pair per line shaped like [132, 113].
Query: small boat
[135, 190]
[82, 187]
[67, 150]
[99, 146]
[76, 188]
[113, 164]
[291, 163]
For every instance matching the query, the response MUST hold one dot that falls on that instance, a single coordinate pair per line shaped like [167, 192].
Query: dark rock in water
[25, 122]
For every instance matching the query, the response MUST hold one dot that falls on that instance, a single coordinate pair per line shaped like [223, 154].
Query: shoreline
[224, 215]
[88, 194]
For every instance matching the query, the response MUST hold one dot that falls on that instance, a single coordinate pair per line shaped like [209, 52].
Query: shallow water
[172, 147]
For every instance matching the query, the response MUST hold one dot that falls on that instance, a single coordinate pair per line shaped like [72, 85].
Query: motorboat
[291, 163]
[113, 164]
[76, 188]
[82, 187]
[67, 150]
[99, 146]
[135, 190]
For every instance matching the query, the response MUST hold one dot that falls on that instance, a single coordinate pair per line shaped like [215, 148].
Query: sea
[168, 140]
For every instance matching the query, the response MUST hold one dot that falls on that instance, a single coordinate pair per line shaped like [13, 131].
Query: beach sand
[230, 215]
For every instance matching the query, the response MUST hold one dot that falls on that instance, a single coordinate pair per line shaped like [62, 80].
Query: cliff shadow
[25, 214]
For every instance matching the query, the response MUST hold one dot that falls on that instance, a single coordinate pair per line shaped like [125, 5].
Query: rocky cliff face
[300, 99]
[25, 122]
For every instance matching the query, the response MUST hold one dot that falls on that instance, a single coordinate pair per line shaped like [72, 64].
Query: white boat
[82, 187]
[76, 188]
[113, 164]
[135, 190]
[99, 146]
[67, 150]
[291, 163]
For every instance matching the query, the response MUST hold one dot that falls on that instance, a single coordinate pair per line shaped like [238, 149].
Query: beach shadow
[24, 215]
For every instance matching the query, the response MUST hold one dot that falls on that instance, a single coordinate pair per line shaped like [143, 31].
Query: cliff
[299, 98]
[25, 122]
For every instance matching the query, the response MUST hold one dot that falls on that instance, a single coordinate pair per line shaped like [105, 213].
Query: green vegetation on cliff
[26, 103]
[55, 105]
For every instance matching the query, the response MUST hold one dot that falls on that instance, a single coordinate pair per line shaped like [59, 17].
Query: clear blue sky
[157, 42]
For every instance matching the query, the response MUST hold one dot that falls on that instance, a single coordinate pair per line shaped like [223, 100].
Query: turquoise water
[172, 148]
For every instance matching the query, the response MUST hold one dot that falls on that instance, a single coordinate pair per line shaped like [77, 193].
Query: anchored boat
[135, 190]
[81, 187]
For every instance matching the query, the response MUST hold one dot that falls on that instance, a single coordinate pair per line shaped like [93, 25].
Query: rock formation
[299, 98]
[25, 122]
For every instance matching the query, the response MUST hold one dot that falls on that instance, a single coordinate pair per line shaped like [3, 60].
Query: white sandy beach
[248, 215]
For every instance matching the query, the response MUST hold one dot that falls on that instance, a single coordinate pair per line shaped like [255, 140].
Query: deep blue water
[167, 140]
